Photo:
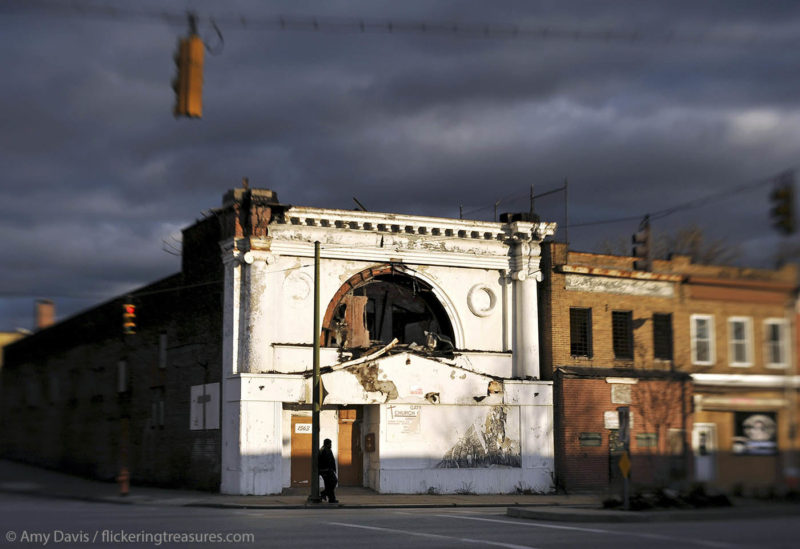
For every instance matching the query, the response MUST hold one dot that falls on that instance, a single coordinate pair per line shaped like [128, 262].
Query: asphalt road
[36, 522]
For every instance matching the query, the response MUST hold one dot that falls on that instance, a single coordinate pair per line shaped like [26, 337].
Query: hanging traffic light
[188, 82]
[782, 211]
[642, 249]
[128, 318]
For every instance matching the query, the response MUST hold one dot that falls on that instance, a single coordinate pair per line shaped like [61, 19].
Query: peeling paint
[367, 376]
[484, 446]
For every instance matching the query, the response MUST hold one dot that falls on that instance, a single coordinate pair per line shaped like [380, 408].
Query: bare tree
[690, 240]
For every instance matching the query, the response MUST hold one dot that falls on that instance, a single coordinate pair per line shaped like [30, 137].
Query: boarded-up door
[350, 456]
[301, 450]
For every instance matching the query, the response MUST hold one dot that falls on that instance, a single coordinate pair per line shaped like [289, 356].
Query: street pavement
[22, 479]
[34, 520]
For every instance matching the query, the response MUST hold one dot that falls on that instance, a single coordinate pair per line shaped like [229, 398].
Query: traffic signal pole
[314, 497]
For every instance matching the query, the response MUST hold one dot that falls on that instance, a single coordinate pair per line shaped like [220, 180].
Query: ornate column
[525, 276]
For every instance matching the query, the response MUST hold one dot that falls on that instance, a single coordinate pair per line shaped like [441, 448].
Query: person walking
[327, 469]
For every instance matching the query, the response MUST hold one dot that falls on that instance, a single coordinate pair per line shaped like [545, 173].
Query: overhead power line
[691, 204]
[363, 25]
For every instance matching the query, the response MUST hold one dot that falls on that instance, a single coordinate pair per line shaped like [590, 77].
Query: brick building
[729, 328]
[79, 396]
[587, 425]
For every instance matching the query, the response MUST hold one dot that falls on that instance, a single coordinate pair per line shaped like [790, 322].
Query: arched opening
[384, 303]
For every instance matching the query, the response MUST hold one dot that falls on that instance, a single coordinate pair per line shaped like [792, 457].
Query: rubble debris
[379, 307]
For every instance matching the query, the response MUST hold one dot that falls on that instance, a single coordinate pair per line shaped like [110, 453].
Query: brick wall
[608, 283]
[580, 407]
[745, 301]
[61, 405]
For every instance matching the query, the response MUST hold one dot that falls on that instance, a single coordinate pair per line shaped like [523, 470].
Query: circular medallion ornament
[481, 300]
[297, 286]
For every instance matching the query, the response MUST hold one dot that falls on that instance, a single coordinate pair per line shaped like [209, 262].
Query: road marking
[434, 536]
[704, 543]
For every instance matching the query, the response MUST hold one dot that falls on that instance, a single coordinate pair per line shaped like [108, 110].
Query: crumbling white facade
[474, 418]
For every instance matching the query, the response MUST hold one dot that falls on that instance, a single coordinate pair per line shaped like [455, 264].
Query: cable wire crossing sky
[686, 111]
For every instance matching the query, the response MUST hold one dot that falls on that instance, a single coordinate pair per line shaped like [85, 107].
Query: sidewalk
[26, 479]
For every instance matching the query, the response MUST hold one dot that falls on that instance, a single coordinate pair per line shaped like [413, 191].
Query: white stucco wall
[475, 270]
[416, 462]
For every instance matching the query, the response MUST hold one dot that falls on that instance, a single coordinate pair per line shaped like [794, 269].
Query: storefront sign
[402, 421]
[755, 433]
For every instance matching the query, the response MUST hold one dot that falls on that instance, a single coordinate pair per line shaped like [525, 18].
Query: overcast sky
[95, 172]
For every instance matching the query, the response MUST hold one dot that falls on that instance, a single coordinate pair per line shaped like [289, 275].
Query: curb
[612, 516]
[182, 502]
[361, 505]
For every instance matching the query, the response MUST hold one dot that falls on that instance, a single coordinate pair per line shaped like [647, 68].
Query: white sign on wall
[611, 419]
[204, 407]
[402, 421]
[609, 285]
[303, 428]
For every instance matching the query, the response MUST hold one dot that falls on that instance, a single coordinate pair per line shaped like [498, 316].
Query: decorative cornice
[438, 227]
[392, 254]
[618, 273]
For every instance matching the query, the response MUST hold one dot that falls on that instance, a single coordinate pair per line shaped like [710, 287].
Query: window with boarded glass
[580, 331]
[662, 336]
[622, 333]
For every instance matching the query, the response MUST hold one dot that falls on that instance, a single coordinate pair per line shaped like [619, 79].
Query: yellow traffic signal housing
[188, 84]
[642, 247]
[128, 318]
[782, 212]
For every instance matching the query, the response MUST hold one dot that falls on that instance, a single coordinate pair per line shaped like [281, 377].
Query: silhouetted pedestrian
[327, 469]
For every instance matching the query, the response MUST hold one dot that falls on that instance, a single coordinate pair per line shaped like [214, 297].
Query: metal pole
[566, 212]
[316, 400]
[531, 208]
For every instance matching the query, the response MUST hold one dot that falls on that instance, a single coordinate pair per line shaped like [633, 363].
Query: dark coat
[326, 461]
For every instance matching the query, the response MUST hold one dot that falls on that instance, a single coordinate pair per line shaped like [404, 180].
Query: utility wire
[690, 204]
[361, 25]
[134, 293]
[659, 214]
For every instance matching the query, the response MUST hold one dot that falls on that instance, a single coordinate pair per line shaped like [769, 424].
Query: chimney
[45, 313]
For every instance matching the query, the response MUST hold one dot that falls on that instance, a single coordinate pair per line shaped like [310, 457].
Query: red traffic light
[128, 318]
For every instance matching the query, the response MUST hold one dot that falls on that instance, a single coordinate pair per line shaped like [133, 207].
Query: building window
[580, 331]
[622, 333]
[740, 331]
[162, 350]
[702, 332]
[775, 341]
[662, 336]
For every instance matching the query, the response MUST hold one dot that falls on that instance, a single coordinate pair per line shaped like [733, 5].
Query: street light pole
[316, 400]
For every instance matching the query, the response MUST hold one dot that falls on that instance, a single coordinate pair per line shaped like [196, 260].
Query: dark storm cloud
[96, 173]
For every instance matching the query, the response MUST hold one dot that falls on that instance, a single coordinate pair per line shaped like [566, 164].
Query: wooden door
[350, 456]
[301, 450]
